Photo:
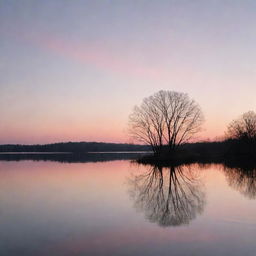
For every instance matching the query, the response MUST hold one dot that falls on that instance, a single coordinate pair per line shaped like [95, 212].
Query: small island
[168, 122]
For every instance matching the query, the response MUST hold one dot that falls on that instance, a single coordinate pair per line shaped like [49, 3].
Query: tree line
[74, 147]
[167, 120]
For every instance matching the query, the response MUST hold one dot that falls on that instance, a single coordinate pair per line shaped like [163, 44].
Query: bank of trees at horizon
[165, 122]
[168, 119]
[74, 147]
[242, 131]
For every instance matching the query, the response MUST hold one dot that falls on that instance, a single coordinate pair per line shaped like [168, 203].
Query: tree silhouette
[167, 117]
[244, 127]
[243, 133]
[168, 196]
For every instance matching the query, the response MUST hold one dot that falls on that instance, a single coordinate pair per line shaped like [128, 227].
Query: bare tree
[244, 127]
[165, 118]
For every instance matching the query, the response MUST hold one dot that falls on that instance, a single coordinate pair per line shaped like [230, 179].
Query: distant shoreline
[200, 152]
[75, 147]
[71, 157]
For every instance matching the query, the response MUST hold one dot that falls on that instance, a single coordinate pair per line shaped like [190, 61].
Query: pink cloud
[99, 57]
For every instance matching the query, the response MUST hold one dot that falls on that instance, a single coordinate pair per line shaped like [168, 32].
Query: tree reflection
[168, 196]
[243, 179]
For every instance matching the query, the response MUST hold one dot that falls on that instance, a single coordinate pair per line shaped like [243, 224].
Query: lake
[121, 208]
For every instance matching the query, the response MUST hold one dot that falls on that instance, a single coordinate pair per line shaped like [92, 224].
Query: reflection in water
[242, 179]
[49, 208]
[63, 157]
[168, 196]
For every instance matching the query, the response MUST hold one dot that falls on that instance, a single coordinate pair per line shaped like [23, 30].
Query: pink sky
[76, 74]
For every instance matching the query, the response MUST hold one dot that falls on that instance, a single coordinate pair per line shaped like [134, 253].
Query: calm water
[118, 208]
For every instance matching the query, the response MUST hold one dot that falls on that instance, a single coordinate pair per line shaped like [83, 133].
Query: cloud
[102, 58]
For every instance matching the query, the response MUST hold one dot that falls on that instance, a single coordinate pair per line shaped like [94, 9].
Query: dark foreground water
[118, 208]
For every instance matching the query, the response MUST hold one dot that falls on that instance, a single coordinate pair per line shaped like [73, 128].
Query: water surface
[119, 208]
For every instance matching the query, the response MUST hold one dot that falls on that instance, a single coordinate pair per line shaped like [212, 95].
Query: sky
[73, 70]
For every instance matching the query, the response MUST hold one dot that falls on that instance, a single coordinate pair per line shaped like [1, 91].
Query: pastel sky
[73, 70]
